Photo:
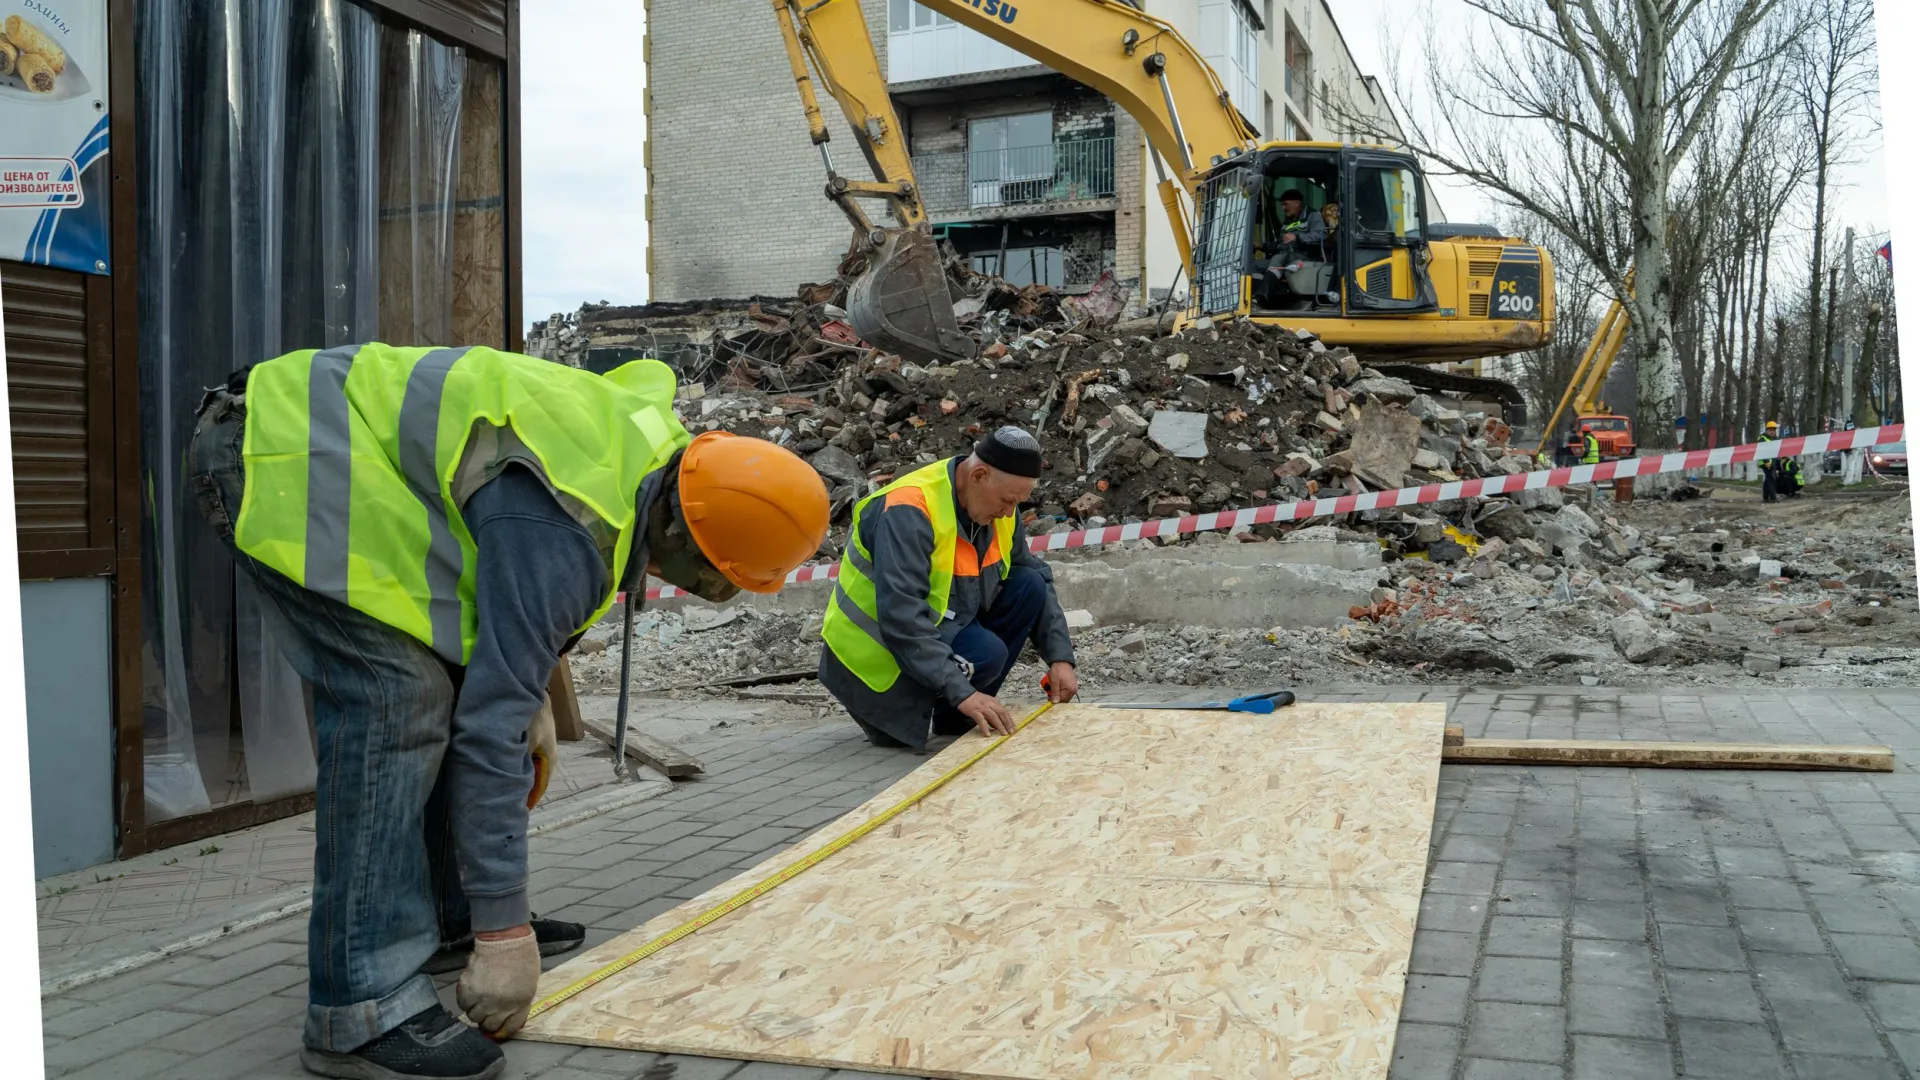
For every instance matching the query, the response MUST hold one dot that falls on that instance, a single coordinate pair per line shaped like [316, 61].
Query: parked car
[1889, 459]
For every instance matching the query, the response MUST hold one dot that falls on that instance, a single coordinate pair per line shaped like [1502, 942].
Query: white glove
[543, 744]
[496, 989]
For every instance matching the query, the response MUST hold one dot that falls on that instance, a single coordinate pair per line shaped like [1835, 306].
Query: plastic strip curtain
[426, 82]
[260, 145]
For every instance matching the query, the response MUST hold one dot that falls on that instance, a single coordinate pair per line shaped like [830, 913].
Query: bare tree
[1833, 75]
[1584, 123]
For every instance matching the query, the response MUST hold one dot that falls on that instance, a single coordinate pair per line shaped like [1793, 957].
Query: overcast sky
[582, 154]
[583, 138]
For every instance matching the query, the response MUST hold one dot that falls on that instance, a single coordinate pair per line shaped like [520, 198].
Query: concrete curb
[158, 945]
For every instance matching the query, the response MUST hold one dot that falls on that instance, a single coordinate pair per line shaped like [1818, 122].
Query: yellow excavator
[1393, 286]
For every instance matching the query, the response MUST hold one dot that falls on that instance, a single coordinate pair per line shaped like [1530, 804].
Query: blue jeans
[993, 642]
[386, 891]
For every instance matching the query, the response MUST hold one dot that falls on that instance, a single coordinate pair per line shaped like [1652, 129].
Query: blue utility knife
[1252, 703]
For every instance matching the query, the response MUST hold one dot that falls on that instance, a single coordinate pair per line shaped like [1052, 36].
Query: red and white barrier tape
[1685, 461]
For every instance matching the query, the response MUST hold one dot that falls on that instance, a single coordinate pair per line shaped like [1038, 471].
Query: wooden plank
[1670, 755]
[664, 757]
[566, 706]
[1137, 894]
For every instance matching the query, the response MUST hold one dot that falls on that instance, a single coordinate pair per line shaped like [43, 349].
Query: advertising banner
[53, 133]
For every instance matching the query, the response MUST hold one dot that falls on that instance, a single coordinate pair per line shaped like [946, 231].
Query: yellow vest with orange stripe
[852, 624]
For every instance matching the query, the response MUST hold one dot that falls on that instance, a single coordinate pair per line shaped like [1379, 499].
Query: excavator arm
[901, 304]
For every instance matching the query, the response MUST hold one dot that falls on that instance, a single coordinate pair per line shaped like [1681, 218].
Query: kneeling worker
[938, 594]
[431, 530]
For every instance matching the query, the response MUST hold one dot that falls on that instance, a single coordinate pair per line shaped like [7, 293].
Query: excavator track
[1513, 404]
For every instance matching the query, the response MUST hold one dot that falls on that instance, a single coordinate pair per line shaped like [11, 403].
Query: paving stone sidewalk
[1577, 924]
[95, 919]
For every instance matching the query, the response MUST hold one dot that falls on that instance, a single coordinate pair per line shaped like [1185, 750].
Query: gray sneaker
[429, 1045]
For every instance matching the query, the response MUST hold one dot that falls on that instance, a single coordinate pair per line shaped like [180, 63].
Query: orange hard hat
[756, 510]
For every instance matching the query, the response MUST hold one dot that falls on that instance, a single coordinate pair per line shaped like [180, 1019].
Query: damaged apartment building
[1030, 175]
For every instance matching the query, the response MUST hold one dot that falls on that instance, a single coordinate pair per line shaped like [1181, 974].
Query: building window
[925, 45]
[1229, 42]
[907, 15]
[1009, 158]
[1266, 115]
[1266, 18]
[1299, 73]
[1025, 266]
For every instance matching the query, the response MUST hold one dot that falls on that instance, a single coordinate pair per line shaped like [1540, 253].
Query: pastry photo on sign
[34, 66]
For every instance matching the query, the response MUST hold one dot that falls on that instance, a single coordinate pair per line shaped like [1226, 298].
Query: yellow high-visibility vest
[353, 456]
[851, 627]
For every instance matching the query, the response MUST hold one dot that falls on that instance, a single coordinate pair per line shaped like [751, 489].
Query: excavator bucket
[901, 304]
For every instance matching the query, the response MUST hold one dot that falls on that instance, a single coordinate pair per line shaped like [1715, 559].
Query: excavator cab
[1374, 258]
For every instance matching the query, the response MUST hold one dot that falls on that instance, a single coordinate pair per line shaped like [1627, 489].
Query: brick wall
[1134, 192]
[735, 185]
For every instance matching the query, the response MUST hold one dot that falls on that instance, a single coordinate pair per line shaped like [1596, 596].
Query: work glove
[496, 989]
[542, 743]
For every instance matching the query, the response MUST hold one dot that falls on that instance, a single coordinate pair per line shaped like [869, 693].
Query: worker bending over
[937, 596]
[432, 530]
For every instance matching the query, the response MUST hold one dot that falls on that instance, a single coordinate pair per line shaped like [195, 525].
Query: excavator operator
[1301, 232]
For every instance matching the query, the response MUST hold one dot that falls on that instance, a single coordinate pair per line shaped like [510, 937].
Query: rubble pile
[1538, 586]
[1135, 426]
[757, 345]
[1645, 593]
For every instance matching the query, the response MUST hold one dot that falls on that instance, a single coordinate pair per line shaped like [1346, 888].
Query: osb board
[1138, 894]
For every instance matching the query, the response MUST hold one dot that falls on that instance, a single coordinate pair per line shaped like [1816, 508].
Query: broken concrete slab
[701, 619]
[1386, 390]
[1507, 522]
[1636, 639]
[1127, 421]
[837, 465]
[1385, 443]
[1295, 596]
[1182, 434]
[1689, 604]
[1576, 519]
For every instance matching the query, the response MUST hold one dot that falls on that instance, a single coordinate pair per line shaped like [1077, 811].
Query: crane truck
[1614, 433]
[1406, 293]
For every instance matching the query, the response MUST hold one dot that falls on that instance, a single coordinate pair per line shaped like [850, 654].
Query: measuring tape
[747, 896]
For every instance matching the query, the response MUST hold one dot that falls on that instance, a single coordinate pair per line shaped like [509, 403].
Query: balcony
[1017, 181]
